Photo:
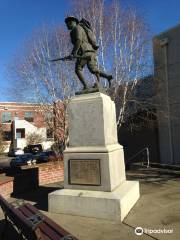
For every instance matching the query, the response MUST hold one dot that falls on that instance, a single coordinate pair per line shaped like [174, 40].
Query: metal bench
[30, 223]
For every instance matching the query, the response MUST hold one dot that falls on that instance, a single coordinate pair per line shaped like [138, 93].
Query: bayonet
[70, 58]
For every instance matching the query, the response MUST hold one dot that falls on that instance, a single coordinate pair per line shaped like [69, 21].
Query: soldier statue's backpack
[89, 32]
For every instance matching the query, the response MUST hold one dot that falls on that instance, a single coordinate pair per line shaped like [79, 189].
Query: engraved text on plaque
[84, 172]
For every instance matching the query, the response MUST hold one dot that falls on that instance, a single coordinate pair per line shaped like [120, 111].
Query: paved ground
[158, 208]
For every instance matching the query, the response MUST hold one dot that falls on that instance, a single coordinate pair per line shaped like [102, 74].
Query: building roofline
[23, 103]
[167, 31]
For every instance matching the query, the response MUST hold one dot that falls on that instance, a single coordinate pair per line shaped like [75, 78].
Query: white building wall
[29, 129]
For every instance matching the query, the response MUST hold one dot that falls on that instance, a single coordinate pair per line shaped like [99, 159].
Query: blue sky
[18, 18]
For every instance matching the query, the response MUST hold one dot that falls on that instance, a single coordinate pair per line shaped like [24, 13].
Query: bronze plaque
[84, 172]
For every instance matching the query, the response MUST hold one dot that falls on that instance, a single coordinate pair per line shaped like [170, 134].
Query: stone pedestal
[95, 183]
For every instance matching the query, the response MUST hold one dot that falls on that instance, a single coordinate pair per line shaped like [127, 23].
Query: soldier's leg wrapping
[80, 63]
[93, 68]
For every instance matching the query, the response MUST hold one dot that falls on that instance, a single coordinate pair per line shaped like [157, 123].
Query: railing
[142, 150]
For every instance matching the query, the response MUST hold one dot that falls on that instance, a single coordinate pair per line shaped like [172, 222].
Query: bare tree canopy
[2, 146]
[125, 51]
[37, 78]
[34, 138]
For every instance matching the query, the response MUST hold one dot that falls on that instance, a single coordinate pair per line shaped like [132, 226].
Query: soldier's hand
[74, 54]
[71, 57]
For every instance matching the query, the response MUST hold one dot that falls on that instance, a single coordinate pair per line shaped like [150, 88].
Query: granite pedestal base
[113, 205]
[111, 169]
[94, 172]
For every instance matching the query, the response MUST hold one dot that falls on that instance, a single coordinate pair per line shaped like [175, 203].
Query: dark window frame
[7, 135]
[29, 117]
[49, 133]
[21, 131]
[48, 116]
[3, 118]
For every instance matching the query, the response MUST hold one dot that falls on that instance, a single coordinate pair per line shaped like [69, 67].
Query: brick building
[20, 119]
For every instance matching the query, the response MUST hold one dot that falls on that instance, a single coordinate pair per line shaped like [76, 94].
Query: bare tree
[34, 138]
[2, 146]
[60, 125]
[40, 79]
[125, 46]
[124, 42]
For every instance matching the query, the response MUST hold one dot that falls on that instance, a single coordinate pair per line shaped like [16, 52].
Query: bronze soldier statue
[84, 50]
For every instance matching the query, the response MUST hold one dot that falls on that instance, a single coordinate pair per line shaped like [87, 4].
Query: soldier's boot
[108, 77]
[97, 83]
[81, 78]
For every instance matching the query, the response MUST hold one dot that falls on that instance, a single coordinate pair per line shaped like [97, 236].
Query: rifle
[70, 58]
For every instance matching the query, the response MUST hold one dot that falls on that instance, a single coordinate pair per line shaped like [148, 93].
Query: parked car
[46, 156]
[15, 152]
[33, 148]
[25, 159]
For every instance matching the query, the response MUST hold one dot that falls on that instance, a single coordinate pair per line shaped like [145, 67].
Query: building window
[7, 135]
[49, 133]
[28, 116]
[6, 117]
[20, 133]
[48, 116]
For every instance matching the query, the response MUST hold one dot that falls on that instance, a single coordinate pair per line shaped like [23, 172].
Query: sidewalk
[157, 208]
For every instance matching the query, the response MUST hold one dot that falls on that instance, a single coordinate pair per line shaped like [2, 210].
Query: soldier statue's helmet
[71, 18]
